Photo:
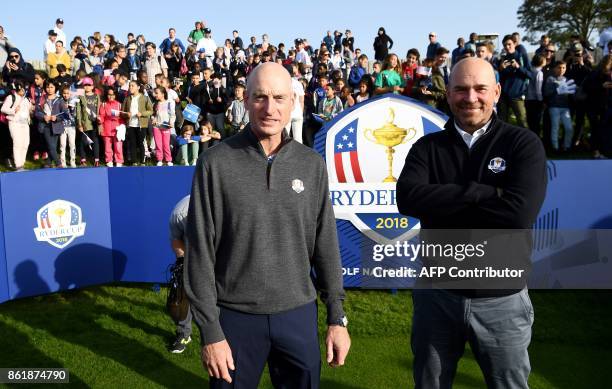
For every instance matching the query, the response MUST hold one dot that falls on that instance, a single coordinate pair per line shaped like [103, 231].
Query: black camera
[508, 58]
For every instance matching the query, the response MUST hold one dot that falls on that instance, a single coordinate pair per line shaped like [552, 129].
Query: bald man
[478, 174]
[260, 221]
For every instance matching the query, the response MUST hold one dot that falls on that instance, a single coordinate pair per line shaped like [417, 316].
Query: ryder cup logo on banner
[59, 223]
[365, 149]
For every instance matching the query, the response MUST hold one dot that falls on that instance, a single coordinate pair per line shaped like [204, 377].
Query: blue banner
[4, 291]
[141, 200]
[57, 230]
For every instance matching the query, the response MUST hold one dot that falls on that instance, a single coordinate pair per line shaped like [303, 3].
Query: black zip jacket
[446, 185]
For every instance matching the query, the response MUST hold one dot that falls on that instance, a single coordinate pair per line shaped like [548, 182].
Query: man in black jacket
[478, 173]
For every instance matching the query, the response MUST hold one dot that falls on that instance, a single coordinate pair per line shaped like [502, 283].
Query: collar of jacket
[452, 132]
[253, 142]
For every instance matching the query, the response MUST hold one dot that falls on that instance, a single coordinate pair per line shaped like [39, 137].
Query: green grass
[116, 336]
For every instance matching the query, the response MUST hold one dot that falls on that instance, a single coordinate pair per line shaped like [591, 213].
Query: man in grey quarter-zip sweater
[260, 219]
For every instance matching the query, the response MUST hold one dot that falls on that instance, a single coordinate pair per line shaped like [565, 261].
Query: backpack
[98, 69]
[177, 303]
[3, 118]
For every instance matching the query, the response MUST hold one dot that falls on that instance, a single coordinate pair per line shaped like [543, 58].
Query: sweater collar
[450, 129]
[254, 142]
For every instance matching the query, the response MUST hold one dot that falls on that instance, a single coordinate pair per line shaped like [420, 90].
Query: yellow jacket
[53, 59]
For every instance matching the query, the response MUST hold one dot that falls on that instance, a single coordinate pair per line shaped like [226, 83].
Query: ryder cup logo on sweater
[497, 165]
[365, 148]
[297, 186]
[59, 223]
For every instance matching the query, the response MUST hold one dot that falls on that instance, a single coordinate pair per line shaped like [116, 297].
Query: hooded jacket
[382, 44]
[24, 72]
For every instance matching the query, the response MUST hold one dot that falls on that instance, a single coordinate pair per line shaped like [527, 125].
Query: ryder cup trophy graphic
[390, 135]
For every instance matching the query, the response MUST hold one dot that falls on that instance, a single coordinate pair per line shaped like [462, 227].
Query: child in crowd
[69, 133]
[331, 105]
[363, 93]
[237, 114]
[51, 113]
[534, 103]
[109, 118]
[64, 78]
[17, 109]
[210, 136]
[87, 122]
[163, 122]
[215, 108]
[121, 86]
[346, 97]
[557, 91]
[320, 92]
[37, 97]
[189, 144]
[109, 73]
[137, 109]
[376, 69]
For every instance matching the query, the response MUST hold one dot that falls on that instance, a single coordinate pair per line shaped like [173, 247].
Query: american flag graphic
[44, 219]
[74, 216]
[346, 159]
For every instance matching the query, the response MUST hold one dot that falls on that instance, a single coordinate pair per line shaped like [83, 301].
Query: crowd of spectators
[104, 102]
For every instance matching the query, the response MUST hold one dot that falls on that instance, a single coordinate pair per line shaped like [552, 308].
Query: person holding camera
[513, 76]
[16, 69]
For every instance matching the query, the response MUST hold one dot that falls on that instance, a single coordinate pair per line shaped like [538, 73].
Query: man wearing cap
[133, 60]
[50, 43]
[59, 30]
[302, 56]
[577, 69]
[433, 46]
[207, 43]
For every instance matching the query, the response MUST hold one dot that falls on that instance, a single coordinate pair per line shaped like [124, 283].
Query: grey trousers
[497, 328]
[183, 328]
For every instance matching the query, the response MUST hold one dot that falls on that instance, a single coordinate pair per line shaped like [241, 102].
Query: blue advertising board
[57, 230]
[141, 200]
[4, 294]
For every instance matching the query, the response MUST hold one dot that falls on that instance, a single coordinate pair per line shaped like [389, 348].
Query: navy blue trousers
[287, 341]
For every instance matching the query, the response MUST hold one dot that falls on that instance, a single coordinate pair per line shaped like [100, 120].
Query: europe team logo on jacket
[365, 148]
[59, 223]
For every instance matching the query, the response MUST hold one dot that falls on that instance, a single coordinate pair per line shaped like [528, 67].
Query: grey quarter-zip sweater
[261, 235]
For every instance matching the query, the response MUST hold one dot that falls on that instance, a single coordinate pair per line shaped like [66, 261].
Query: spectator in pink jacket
[110, 118]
